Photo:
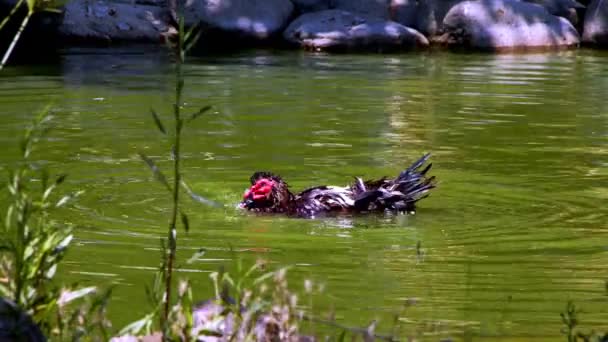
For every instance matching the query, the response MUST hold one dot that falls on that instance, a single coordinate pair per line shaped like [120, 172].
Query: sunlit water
[516, 228]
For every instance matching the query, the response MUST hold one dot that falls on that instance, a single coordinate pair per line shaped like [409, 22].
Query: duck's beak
[247, 204]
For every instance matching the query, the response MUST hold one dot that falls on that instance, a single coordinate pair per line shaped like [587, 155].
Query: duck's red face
[259, 194]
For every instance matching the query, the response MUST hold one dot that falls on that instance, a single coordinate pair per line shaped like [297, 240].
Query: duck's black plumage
[270, 194]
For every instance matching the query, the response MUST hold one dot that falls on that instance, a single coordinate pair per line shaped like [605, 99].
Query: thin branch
[15, 39]
[13, 11]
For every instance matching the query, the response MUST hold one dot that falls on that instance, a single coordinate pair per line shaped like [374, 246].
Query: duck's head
[268, 193]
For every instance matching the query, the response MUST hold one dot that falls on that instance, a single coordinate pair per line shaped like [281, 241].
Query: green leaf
[190, 31]
[199, 113]
[68, 296]
[63, 244]
[44, 178]
[9, 217]
[206, 332]
[138, 327]
[67, 198]
[197, 197]
[189, 43]
[50, 189]
[342, 336]
[185, 221]
[158, 175]
[201, 252]
[60, 179]
[157, 121]
[53, 10]
[50, 273]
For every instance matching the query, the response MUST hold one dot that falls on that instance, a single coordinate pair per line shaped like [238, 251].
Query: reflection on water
[515, 229]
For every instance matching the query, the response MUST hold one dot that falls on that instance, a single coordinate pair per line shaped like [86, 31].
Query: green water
[516, 228]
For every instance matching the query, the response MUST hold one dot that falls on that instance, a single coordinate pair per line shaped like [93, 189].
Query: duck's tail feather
[400, 193]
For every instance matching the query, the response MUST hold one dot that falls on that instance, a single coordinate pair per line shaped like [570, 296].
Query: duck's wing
[319, 199]
[400, 193]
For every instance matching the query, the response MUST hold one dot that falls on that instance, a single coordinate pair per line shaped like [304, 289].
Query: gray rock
[15, 325]
[405, 12]
[257, 19]
[401, 11]
[430, 15]
[371, 8]
[561, 8]
[339, 30]
[595, 27]
[305, 6]
[506, 25]
[111, 21]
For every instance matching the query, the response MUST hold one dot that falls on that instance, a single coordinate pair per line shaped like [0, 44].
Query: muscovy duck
[269, 193]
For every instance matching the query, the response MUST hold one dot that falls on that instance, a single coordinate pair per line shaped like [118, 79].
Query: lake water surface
[517, 226]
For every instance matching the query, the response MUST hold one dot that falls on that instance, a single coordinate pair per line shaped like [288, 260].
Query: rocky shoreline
[342, 25]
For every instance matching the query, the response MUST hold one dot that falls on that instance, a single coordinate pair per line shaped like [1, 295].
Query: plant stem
[15, 39]
[15, 8]
[177, 176]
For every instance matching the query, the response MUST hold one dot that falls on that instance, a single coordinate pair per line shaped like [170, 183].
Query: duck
[270, 194]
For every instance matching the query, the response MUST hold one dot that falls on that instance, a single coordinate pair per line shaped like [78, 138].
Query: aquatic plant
[571, 321]
[183, 43]
[32, 246]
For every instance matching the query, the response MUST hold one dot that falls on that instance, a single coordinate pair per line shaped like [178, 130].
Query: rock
[371, 8]
[342, 30]
[430, 14]
[506, 25]
[405, 12]
[595, 27]
[15, 325]
[561, 8]
[305, 6]
[100, 20]
[255, 19]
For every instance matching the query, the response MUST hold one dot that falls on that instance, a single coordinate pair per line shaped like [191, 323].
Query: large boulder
[254, 19]
[342, 30]
[372, 8]
[401, 11]
[305, 6]
[561, 8]
[506, 25]
[430, 14]
[101, 20]
[405, 12]
[595, 27]
[16, 325]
